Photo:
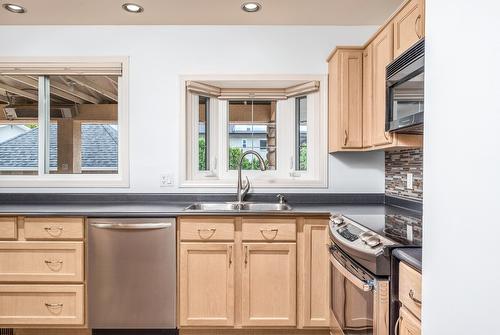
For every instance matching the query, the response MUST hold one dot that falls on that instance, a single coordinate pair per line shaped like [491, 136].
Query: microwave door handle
[365, 287]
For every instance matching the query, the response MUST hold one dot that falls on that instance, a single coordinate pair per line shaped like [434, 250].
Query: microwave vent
[408, 57]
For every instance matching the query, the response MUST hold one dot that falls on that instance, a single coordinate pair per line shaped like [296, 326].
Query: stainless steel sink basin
[233, 206]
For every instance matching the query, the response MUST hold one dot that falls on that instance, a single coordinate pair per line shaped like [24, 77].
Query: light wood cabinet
[275, 273]
[367, 96]
[41, 305]
[41, 261]
[8, 228]
[207, 229]
[357, 85]
[266, 229]
[206, 284]
[408, 323]
[48, 250]
[410, 289]
[382, 48]
[408, 26]
[269, 284]
[410, 297]
[346, 108]
[53, 228]
[314, 274]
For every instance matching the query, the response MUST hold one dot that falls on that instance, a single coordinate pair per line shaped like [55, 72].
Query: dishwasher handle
[133, 226]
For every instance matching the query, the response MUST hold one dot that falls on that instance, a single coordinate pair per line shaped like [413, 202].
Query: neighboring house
[9, 131]
[99, 149]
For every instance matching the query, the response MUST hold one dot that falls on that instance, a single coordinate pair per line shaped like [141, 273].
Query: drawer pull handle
[396, 327]
[54, 308]
[211, 232]
[246, 254]
[54, 231]
[417, 30]
[269, 230]
[411, 294]
[54, 265]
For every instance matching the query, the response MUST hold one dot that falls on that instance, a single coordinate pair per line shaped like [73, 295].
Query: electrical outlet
[409, 181]
[409, 232]
[166, 180]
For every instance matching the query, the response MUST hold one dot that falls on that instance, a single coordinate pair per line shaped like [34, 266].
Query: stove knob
[373, 241]
[337, 220]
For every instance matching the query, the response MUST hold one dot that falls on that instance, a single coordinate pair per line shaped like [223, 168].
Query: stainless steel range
[360, 270]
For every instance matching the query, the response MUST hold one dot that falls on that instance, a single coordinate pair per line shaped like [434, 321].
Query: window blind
[252, 93]
[61, 68]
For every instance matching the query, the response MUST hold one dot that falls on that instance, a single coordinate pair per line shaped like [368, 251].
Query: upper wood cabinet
[357, 85]
[408, 26]
[346, 105]
[367, 96]
[381, 56]
[206, 284]
[269, 284]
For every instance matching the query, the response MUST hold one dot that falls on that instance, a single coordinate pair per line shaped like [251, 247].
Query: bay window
[224, 118]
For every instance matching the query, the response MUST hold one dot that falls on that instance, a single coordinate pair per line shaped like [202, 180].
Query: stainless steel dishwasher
[131, 273]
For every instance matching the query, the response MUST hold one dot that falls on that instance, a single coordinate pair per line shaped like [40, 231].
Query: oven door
[355, 300]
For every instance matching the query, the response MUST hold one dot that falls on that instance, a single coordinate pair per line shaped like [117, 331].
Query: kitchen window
[62, 123]
[268, 115]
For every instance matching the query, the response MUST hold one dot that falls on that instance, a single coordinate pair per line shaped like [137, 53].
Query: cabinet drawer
[410, 288]
[41, 261]
[63, 228]
[41, 305]
[262, 229]
[8, 228]
[207, 229]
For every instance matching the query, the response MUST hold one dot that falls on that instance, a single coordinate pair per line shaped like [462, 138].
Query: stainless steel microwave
[405, 92]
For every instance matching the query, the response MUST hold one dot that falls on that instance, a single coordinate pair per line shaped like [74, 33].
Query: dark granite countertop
[411, 256]
[174, 209]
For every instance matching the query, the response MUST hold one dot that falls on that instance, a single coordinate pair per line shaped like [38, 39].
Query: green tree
[303, 158]
[202, 154]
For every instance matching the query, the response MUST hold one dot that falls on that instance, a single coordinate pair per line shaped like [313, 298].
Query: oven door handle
[364, 286]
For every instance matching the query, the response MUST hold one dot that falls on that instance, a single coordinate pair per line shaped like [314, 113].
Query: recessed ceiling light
[14, 8]
[133, 8]
[251, 7]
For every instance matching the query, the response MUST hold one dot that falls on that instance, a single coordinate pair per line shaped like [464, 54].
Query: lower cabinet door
[41, 305]
[315, 273]
[269, 284]
[206, 282]
[408, 323]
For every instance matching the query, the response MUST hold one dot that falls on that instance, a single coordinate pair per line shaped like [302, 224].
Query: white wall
[461, 292]
[159, 54]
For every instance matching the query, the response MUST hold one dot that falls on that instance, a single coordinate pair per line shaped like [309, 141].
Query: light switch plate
[409, 181]
[166, 180]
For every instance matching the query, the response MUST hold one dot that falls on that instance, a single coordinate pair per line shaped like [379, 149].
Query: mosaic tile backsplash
[397, 165]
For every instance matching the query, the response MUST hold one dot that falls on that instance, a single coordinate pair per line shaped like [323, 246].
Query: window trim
[42, 180]
[315, 177]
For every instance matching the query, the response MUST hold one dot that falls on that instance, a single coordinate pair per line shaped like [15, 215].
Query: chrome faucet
[242, 191]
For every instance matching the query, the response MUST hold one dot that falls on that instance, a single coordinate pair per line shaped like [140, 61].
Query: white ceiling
[200, 12]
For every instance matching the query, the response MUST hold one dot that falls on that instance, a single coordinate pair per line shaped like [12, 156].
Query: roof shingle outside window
[99, 148]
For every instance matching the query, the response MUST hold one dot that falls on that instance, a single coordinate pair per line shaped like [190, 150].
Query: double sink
[238, 207]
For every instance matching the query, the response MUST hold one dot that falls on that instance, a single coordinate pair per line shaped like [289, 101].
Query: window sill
[256, 183]
[65, 181]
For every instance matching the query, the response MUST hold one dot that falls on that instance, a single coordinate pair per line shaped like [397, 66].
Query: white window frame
[42, 179]
[316, 176]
